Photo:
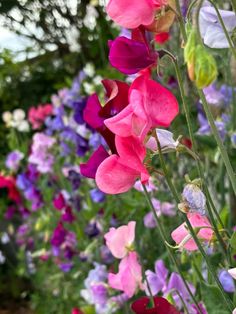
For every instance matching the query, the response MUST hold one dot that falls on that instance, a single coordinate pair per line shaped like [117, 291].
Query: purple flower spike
[130, 56]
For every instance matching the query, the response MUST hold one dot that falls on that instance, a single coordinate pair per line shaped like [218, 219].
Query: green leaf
[211, 297]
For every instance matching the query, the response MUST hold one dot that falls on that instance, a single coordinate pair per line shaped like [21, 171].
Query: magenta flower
[118, 173]
[120, 240]
[89, 168]
[182, 233]
[129, 277]
[95, 114]
[130, 56]
[162, 306]
[150, 105]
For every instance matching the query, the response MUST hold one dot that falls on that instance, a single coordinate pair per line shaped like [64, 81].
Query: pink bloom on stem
[121, 239]
[133, 13]
[118, 173]
[150, 105]
[129, 277]
[196, 220]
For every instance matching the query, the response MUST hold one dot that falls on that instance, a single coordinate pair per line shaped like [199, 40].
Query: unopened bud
[205, 68]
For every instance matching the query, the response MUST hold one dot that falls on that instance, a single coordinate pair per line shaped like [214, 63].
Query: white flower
[7, 117]
[23, 126]
[89, 69]
[166, 140]
[232, 273]
[18, 115]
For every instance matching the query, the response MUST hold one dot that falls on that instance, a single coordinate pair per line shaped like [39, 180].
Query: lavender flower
[13, 160]
[227, 281]
[97, 196]
[211, 30]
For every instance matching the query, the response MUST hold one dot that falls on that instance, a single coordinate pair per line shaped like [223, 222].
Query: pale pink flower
[197, 221]
[121, 239]
[129, 277]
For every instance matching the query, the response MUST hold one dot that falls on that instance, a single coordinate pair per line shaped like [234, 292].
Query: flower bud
[194, 198]
[189, 51]
[205, 68]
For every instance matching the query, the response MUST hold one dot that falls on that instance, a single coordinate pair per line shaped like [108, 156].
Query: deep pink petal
[131, 13]
[159, 103]
[121, 123]
[112, 177]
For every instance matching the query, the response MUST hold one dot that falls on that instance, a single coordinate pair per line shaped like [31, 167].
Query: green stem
[220, 144]
[233, 2]
[164, 239]
[172, 188]
[181, 20]
[215, 132]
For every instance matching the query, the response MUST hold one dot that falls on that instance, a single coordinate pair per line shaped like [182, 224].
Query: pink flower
[196, 220]
[133, 13]
[121, 239]
[118, 173]
[150, 105]
[37, 115]
[129, 277]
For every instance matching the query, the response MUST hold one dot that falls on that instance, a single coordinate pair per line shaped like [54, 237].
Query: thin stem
[172, 188]
[215, 132]
[233, 2]
[220, 144]
[164, 239]
[181, 20]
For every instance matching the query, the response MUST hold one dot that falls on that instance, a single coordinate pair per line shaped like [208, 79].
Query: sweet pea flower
[161, 306]
[13, 160]
[120, 240]
[131, 14]
[210, 27]
[116, 100]
[89, 168]
[150, 105]
[118, 173]
[130, 56]
[197, 221]
[37, 115]
[226, 281]
[165, 139]
[129, 277]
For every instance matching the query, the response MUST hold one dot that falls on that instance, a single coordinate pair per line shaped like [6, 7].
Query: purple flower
[106, 255]
[78, 110]
[165, 208]
[74, 178]
[99, 292]
[211, 30]
[97, 196]
[227, 281]
[233, 139]
[40, 155]
[92, 229]
[59, 235]
[13, 160]
[130, 56]
[157, 280]
[66, 267]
